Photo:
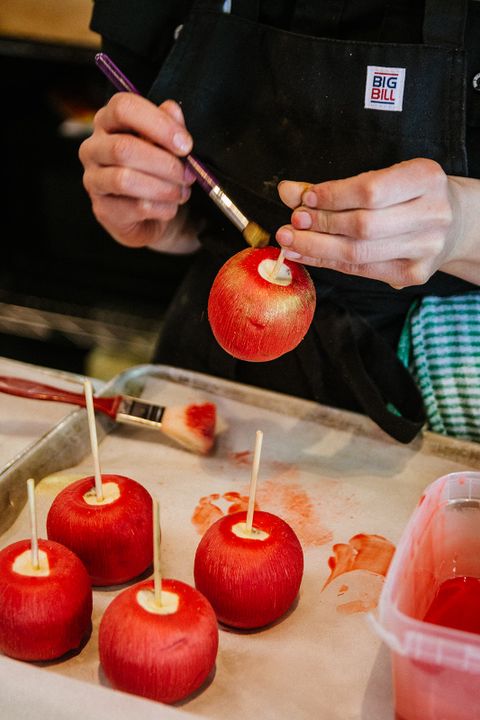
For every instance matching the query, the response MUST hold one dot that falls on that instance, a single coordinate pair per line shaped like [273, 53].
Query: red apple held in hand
[164, 653]
[44, 611]
[251, 579]
[255, 316]
[113, 537]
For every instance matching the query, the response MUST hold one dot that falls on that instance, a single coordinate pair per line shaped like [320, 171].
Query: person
[349, 130]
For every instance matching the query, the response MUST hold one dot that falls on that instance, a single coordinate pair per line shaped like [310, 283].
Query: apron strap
[224, 6]
[444, 22]
[248, 9]
[369, 368]
[307, 14]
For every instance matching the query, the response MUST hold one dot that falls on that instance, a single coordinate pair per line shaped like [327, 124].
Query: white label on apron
[384, 88]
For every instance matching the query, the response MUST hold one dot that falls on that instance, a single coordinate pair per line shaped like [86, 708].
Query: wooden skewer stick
[278, 264]
[253, 480]
[157, 573]
[33, 523]
[87, 385]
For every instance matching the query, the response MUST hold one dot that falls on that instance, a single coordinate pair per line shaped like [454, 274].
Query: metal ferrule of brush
[137, 412]
[228, 208]
[210, 184]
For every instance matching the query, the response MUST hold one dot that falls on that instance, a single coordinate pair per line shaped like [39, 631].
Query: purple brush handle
[205, 179]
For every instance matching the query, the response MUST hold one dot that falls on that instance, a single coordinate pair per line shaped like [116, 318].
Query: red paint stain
[288, 501]
[362, 552]
[241, 458]
[209, 510]
[456, 605]
[357, 606]
[293, 504]
[284, 470]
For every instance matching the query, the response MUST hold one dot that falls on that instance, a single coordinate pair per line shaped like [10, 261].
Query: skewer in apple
[45, 597]
[104, 519]
[158, 638]
[261, 305]
[249, 565]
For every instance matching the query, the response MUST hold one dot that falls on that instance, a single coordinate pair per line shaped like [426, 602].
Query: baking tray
[331, 474]
[19, 427]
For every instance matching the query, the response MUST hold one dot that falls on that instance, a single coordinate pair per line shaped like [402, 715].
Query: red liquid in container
[433, 626]
[457, 605]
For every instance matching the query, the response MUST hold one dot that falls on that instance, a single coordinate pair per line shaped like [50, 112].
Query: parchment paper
[320, 661]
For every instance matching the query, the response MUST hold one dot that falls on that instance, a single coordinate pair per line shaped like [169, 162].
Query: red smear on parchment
[362, 552]
[371, 554]
[294, 505]
[290, 501]
[209, 508]
[244, 457]
[357, 606]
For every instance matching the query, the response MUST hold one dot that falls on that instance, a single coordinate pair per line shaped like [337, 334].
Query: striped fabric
[441, 345]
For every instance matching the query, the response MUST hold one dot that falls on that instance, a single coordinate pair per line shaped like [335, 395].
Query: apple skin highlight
[43, 617]
[249, 582]
[114, 540]
[161, 657]
[251, 317]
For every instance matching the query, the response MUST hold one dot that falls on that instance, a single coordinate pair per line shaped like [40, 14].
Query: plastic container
[436, 669]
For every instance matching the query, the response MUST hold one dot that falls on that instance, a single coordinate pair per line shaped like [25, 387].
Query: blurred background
[70, 297]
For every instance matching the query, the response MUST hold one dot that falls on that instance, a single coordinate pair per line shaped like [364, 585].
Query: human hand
[396, 225]
[134, 175]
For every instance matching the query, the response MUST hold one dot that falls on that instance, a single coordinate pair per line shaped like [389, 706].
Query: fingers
[123, 213]
[291, 192]
[371, 190]
[406, 217]
[163, 125]
[120, 160]
[391, 224]
[398, 273]
[347, 251]
[133, 153]
[128, 182]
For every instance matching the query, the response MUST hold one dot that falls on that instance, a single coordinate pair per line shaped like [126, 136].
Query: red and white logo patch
[384, 88]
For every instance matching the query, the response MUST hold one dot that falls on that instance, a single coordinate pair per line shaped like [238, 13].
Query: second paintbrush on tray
[192, 426]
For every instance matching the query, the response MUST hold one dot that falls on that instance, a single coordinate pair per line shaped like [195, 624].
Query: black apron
[265, 104]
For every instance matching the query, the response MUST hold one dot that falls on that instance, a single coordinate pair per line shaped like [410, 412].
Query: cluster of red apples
[164, 652]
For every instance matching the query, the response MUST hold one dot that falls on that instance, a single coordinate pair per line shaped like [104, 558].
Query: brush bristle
[192, 426]
[255, 235]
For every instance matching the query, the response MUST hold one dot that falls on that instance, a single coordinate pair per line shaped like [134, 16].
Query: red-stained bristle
[161, 657]
[201, 418]
[43, 617]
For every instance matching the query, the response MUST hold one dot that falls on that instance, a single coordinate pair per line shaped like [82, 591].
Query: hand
[134, 175]
[397, 224]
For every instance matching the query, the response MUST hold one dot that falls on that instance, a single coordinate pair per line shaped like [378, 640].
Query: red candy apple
[251, 579]
[255, 316]
[162, 653]
[112, 537]
[44, 611]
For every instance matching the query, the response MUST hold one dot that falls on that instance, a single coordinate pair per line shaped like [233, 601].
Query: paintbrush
[192, 426]
[255, 235]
